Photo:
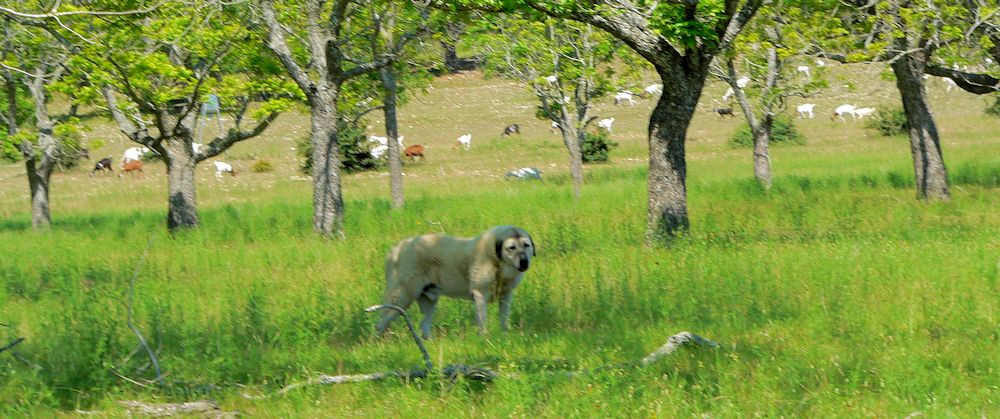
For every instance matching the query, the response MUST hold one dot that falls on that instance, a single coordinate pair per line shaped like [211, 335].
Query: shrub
[994, 109]
[262, 166]
[596, 146]
[782, 132]
[354, 154]
[889, 121]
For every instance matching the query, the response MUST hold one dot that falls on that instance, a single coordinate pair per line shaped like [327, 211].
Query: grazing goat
[378, 151]
[465, 141]
[653, 89]
[551, 79]
[131, 166]
[605, 124]
[134, 154]
[820, 63]
[843, 110]
[223, 167]
[196, 147]
[742, 82]
[805, 109]
[622, 97]
[729, 93]
[861, 113]
[525, 173]
[725, 111]
[511, 130]
[384, 140]
[554, 128]
[414, 151]
[804, 69]
[104, 164]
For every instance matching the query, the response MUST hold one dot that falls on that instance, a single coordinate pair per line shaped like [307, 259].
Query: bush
[596, 146]
[994, 109]
[262, 166]
[354, 154]
[888, 122]
[782, 132]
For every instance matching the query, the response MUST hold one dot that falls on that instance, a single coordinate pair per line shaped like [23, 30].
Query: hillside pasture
[834, 294]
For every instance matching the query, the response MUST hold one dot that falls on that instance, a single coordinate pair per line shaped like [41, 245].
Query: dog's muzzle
[522, 264]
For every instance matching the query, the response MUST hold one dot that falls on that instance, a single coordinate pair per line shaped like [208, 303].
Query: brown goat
[414, 151]
[132, 166]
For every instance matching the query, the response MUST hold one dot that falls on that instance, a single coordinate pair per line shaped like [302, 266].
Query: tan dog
[484, 268]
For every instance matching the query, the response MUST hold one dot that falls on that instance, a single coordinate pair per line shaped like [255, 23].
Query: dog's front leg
[506, 299]
[479, 298]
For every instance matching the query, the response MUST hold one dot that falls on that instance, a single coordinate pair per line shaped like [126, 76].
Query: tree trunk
[328, 200]
[668, 124]
[573, 138]
[11, 114]
[761, 153]
[925, 145]
[39, 173]
[182, 209]
[41, 158]
[392, 131]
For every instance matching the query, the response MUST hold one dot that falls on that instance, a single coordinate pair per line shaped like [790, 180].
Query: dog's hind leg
[399, 297]
[428, 302]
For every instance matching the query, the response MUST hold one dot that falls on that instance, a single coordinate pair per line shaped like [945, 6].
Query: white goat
[861, 113]
[384, 140]
[606, 124]
[843, 110]
[134, 154]
[804, 69]
[621, 97]
[465, 141]
[653, 89]
[196, 147]
[742, 82]
[805, 109]
[729, 93]
[223, 167]
[820, 63]
[552, 79]
[554, 127]
[378, 151]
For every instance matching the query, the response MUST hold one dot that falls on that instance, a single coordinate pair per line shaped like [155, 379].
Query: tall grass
[832, 295]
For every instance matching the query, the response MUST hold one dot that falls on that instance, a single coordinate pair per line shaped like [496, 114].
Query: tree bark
[39, 174]
[925, 145]
[328, 200]
[40, 159]
[760, 129]
[392, 131]
[182, 208]
[11, 114]
[667, 181]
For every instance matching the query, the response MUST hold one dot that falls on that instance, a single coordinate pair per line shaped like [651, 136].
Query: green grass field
[835, 294]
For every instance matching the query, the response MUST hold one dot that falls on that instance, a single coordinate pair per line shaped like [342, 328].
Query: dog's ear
[534, 246]
[499, 248]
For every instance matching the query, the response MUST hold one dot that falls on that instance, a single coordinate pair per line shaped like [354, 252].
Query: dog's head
[515, 247]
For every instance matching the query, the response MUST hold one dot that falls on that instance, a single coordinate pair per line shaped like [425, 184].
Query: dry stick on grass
[673, 344]
[130, 317]
[170, 409]
[12, 344]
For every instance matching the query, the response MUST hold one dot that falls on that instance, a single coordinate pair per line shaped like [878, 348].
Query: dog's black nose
[522, 264]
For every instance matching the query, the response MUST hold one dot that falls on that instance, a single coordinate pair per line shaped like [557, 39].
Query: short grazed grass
[834, 294]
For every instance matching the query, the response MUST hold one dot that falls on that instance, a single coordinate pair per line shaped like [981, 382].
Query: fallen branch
[12, 344]
[170, 409]
[452, 372]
